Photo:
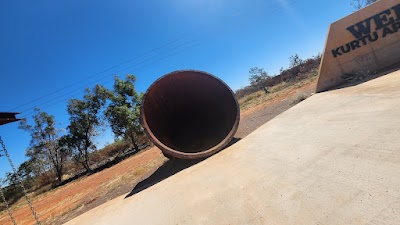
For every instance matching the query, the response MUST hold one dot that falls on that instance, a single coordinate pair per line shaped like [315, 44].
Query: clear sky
[51, 50]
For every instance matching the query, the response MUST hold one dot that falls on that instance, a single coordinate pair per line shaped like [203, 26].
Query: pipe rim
[184, 155]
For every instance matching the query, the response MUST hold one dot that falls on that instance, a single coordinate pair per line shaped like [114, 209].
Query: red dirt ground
[70, 200]
[53, 205]
[256, 116]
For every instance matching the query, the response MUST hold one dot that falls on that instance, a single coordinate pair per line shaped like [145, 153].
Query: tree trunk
[59, 173]
[265, 88]
[86, 154]
[133, 139]
[85, 161]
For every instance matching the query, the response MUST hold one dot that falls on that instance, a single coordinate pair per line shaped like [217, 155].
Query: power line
[283, 6]
[143, 61]
[140, 68]
[107, 76]
[98, 73]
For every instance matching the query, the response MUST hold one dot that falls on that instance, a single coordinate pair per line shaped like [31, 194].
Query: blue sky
[51, 50]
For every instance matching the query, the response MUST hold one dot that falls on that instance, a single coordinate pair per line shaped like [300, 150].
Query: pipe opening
[190, 112]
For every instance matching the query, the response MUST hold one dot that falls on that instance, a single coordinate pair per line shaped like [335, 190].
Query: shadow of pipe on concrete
[171, 167]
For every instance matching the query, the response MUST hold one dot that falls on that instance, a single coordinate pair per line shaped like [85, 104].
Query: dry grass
[112, 185]
[300, 97]
[124, 173]
[57, 204]
[260, 97]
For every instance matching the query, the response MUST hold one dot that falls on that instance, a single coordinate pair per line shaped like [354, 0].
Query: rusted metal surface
[7, 117]
[190, 114]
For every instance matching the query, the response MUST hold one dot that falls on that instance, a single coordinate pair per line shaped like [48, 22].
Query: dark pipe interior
[190, 111]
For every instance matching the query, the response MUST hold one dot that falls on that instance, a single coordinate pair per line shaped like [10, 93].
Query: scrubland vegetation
[59, 155]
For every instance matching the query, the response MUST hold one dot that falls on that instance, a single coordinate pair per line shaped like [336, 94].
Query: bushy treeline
[298, 69]
[55, 153]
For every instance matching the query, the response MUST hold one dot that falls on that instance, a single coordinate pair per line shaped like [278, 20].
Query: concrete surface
[369, 56]
[332, 159]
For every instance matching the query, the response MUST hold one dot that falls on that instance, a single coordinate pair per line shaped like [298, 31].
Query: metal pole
[20, 182]
[7, 206]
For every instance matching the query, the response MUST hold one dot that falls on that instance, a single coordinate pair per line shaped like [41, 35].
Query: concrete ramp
[332, 159]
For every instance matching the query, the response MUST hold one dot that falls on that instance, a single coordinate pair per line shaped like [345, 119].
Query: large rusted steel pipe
[189, 114]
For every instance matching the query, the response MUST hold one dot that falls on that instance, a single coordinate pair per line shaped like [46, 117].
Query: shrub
[300, 97]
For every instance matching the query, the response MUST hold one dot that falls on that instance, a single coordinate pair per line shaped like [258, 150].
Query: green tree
[296, 65]
[359, 4]
[12, 190]
[259, 77]
[124, 110]
[26, 172]
[295, 61]
[44, 144]
[84, 123]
